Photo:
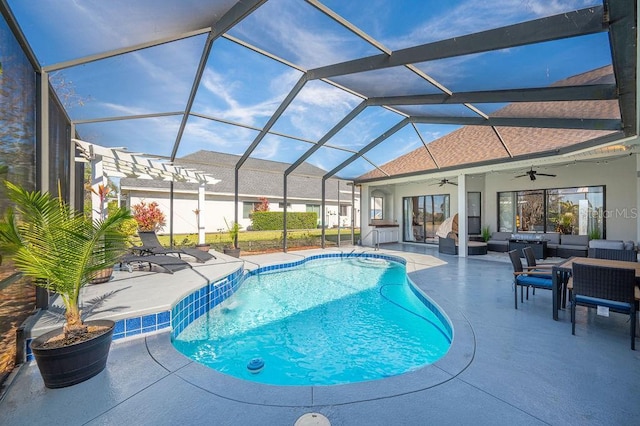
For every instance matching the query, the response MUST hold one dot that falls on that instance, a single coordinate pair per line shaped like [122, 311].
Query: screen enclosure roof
[351, 87]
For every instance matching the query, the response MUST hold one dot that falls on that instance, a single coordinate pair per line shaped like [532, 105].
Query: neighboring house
[586, 181]
[257, 178]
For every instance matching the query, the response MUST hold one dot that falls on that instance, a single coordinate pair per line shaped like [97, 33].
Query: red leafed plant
[149, 216]
[263, 206]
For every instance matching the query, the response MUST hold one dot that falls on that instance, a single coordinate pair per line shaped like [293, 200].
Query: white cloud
[479, 15]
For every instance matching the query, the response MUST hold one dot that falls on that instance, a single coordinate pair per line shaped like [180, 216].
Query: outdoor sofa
[613, 249]
[558, 245]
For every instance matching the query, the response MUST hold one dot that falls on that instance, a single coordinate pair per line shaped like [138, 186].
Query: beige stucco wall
[618, 175]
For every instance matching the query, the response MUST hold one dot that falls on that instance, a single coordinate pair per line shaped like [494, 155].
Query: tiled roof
[475, 144]
[257, 178]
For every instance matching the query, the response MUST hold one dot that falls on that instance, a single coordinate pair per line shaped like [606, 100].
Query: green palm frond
[58, 246]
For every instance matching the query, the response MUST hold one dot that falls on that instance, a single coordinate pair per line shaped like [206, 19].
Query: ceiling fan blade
[526, 174]
[453, 183]
[545, 174]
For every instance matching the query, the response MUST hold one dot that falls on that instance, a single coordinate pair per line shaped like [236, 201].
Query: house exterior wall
[618, 175]
[219, 207]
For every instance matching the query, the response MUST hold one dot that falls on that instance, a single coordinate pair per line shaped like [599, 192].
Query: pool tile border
[457, 359]
[200, 301]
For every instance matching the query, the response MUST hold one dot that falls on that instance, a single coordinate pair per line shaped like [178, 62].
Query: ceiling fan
[533, 173]
[444, 182]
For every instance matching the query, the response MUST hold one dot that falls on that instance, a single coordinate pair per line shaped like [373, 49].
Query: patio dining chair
[526, 277]
[613, 288]
[530, 256]
[151, 245]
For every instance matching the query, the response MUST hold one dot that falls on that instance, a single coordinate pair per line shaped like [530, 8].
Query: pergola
[121, 163]
[346, 86]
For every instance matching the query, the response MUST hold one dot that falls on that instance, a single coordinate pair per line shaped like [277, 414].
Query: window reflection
[423, 215]
[577, 211]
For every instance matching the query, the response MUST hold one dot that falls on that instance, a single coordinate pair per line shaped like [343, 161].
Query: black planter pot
[69, 365]
[235, 252]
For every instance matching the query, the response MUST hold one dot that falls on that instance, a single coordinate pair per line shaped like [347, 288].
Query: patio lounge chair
[151, 245]
[170, 264]
[613, 288]
[527, 278]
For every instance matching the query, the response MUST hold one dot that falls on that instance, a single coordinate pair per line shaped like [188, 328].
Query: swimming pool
[323, 322]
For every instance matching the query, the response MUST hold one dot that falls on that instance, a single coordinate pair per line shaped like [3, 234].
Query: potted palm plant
[62, 250]
[233, 229]
[103, 275]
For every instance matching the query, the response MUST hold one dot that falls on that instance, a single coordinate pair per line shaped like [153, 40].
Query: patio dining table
[562, 272]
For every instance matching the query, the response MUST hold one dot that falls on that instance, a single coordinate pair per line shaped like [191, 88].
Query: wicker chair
[527, 278]
[613, 254]
[604, 286]
[533, 265]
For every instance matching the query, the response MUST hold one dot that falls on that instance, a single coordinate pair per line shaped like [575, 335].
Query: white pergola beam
[119, 161]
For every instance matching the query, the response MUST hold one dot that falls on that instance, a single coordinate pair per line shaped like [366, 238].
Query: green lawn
[261, 240]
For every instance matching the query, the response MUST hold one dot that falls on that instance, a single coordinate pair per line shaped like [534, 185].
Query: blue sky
[241, 88]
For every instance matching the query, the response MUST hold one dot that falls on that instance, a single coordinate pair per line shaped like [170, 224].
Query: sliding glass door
[422, 215]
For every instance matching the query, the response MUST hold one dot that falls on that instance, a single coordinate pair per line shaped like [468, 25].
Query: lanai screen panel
[281, 149]
[253, 67]
[137, 83]
[403, 141]
[363, 129]
[327, 158]
[316, 109]
[242, 86]
[407, 23]
[536, 65]
[212, 135]
[63, 30]
[357, 168]
[397, 81]
[154, 135]
[300, 34]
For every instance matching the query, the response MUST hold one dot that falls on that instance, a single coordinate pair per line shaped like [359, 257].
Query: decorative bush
[263, 206]
[149, 216]
[269, 221]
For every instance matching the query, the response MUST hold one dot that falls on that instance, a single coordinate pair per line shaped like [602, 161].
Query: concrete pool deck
[507, 366]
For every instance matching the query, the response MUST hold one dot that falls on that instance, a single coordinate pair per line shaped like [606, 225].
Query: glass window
[247, 208]
[578, 211]
[281, 206]
[474, 219]
[315, 208]
[344, 210]
[530, 211]
[377, 208]
[506, 212]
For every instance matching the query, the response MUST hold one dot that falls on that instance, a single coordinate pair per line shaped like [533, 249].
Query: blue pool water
[325, 322]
